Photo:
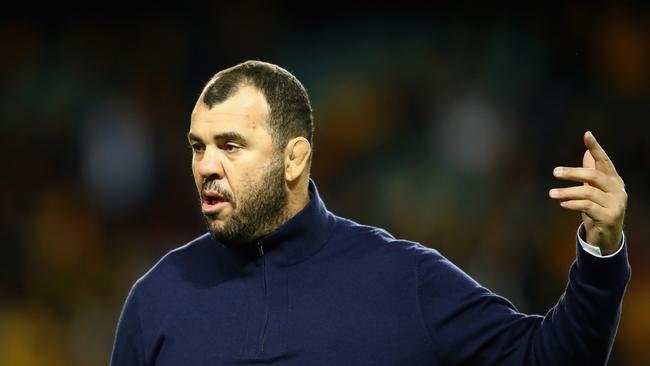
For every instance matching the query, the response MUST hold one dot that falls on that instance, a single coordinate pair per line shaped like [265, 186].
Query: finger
[591, 208]
[603, 162]
[588, 160]
[594, 177]
[581, 193]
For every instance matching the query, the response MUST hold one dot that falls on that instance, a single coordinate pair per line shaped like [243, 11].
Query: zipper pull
[260, 250]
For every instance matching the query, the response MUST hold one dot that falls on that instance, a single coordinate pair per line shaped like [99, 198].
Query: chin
[215, 225]
[217, 217]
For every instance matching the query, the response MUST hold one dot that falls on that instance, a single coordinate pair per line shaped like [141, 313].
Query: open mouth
[212, 202]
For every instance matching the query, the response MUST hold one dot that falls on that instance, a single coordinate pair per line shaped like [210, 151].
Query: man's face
[238, 172]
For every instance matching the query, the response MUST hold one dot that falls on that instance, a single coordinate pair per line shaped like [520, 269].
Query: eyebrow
[229, 136]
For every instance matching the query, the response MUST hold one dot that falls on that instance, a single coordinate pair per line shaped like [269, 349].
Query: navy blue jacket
[323, 290]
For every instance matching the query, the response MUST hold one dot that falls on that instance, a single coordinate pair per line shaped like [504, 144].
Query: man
[280, 280]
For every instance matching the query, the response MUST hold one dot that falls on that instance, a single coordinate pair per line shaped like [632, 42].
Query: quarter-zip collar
[297, 239]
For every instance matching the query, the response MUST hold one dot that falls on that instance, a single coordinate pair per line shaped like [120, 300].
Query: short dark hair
[291, 113]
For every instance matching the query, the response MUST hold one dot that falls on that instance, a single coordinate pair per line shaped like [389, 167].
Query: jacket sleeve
[128, 346]
[470, 325]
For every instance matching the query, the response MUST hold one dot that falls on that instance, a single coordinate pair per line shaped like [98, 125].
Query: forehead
[246, 112]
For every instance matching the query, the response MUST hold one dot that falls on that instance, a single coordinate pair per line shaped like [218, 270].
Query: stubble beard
[261, 208]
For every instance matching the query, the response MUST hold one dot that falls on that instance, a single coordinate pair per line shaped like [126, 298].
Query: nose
[210, 164]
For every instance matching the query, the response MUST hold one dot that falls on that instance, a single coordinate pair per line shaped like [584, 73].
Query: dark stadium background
[441, 125]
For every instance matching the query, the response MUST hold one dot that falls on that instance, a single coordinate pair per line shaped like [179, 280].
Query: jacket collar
[299, 238]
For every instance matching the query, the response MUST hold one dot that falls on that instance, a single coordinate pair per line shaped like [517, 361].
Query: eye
[230, 147]
[197, 148]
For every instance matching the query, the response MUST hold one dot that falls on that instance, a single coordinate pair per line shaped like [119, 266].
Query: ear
[296, 157]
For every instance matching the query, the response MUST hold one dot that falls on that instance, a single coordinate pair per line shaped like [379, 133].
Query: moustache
[213, 186]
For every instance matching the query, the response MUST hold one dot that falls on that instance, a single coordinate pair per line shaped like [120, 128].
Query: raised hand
[601, 199]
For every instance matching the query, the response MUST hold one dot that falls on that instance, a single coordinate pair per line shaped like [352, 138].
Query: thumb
[588, 161]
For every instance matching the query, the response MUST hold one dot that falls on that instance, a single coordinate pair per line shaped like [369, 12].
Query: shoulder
[429, 263]
[351, 230]
[381, 242]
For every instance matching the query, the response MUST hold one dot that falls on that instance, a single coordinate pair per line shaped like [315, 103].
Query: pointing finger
[599, 155]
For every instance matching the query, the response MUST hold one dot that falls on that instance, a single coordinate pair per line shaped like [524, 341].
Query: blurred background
[441, 125]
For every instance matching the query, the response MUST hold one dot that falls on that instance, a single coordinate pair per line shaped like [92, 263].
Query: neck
[298, 196]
